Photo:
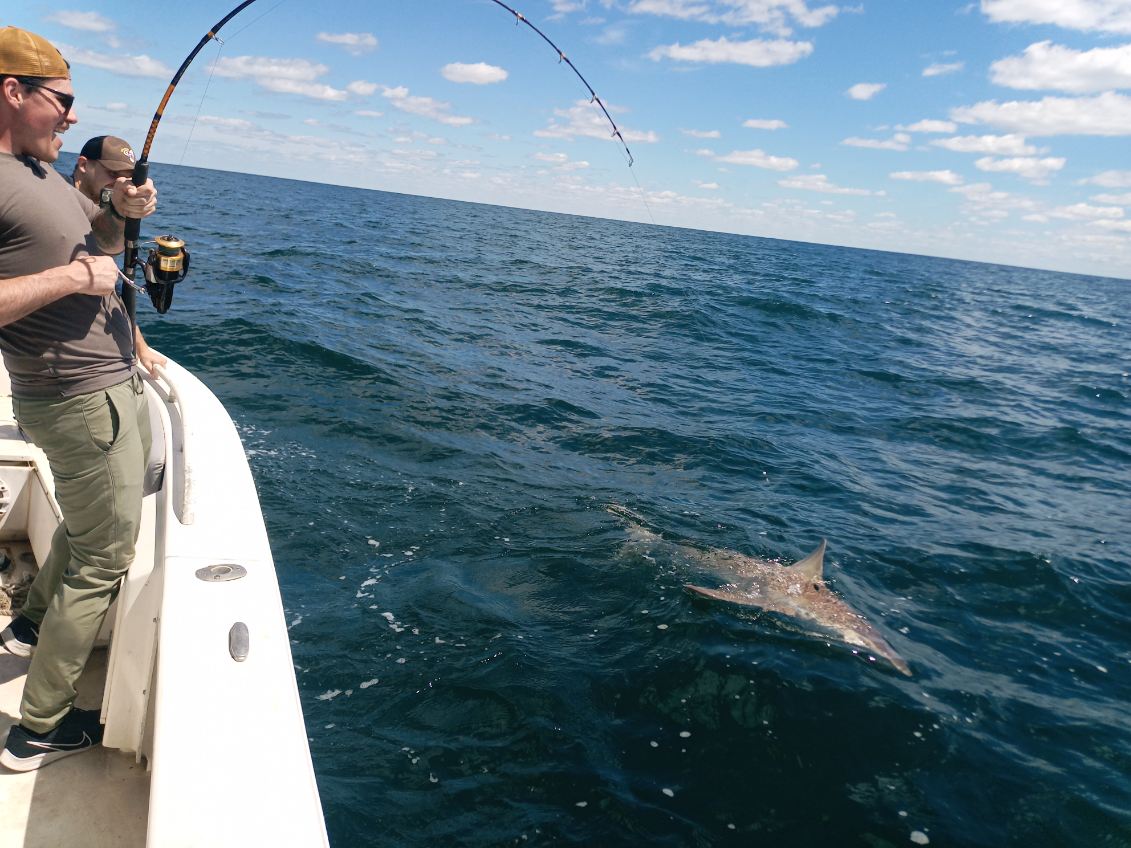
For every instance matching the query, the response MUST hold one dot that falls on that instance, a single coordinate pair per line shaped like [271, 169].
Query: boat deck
[97, 799]
[102, 793]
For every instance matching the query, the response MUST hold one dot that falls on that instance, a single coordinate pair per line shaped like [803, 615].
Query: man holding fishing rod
[104, 160]
[69, 349]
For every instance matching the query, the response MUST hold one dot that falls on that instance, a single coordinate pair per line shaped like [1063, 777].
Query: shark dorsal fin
[812, 568]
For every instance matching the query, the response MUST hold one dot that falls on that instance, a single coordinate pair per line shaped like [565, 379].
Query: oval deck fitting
[239, 641]
[221, 572]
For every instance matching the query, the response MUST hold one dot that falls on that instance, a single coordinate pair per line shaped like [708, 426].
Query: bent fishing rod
[168, 261]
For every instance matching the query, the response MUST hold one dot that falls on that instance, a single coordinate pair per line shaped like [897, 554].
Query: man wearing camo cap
[68, 348]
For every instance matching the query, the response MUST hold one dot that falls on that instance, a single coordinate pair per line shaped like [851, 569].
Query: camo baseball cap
[113, 152]
[25, 54]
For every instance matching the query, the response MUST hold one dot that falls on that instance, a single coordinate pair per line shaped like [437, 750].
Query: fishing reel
[167, 265]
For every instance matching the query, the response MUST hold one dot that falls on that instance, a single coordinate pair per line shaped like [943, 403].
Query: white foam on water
[329, 694]
[369, 683]
[920, 838]
[668, 792]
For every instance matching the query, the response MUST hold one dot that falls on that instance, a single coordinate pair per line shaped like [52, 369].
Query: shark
[797, 591]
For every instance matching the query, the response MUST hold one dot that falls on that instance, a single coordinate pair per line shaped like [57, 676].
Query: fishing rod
[168, 261]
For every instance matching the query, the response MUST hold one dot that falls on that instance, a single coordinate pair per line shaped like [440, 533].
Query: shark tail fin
[812, 568]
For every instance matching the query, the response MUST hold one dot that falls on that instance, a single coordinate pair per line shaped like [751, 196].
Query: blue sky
[993, 130]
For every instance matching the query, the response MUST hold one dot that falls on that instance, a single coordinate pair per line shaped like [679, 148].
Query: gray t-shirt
[79, 343]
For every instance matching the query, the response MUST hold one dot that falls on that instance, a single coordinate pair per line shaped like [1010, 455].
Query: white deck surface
[96, 799]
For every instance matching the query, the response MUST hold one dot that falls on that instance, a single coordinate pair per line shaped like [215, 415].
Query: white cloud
[985, 204]
[368, 113]
[612, 36]
[239, 124]
[995, 145]
[586, 120]
[758, 159]
[1115, 199]
[361, 88]
[1108, 114]
[1110, 179]
[945, 177]
[820, 183]
[1085, 212]
[561, 161]
[774, 16]
[357, 43]
[929, 126]
[941, 69]
[765, 124]
[702, 133]
[425, 107]
[757, 53]
[283, 76]
[898, 142]
[1027, 167]
[1086, 15]
[1045, 65]
[562, 7]
[85, 21]
[479, 73]
[707, 186]
[865, 90]
[117, 63]
[1118, 226]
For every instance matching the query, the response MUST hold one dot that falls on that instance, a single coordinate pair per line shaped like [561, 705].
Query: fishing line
[222, 43]
[200, 106]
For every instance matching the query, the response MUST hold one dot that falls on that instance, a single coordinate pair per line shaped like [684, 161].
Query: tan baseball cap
[25, 54]
[113, 152]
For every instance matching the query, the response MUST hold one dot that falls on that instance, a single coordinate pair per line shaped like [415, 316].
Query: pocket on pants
[103, 419]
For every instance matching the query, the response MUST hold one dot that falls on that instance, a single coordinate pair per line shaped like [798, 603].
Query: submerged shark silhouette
[797, 591]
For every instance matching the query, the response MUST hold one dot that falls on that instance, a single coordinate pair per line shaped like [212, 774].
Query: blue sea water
[440, 399]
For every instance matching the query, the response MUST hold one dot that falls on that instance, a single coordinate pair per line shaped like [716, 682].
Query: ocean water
[440, 399]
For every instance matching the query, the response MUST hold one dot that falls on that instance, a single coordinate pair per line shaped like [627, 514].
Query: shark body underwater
[797, 591]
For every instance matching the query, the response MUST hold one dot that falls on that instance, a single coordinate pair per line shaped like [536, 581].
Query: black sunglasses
[67, 101]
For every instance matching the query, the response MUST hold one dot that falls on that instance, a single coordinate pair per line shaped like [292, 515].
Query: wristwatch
[106, 201]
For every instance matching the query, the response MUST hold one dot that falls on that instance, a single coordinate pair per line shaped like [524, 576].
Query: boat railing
[167, 388]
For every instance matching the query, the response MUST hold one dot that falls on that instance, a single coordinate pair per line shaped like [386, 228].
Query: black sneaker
[21, 636]
[25, 750]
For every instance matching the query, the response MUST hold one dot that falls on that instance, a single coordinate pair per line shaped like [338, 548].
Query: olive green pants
[97, 445]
